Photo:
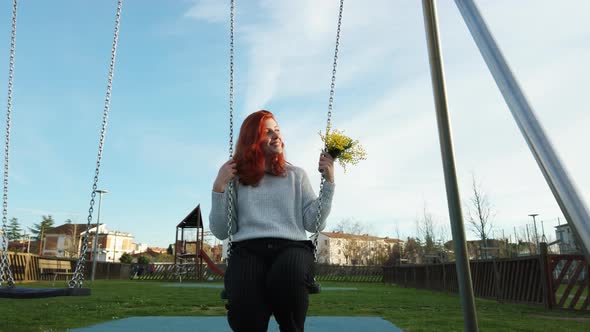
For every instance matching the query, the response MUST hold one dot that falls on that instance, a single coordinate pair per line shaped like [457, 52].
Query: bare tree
[443, 236]
[425, 226]
[380, 255]
[413, 251]
[352, 251]
[349, 226]
[397, 247]
[480, 212]
[72, 238]
[324, 255]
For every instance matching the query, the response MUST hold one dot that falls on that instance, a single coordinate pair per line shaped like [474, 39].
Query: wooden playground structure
[189, 254]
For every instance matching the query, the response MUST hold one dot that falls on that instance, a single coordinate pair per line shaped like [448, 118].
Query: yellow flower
[343, 148]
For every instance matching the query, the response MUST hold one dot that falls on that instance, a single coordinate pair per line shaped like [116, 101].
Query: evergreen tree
[126, 258]
[45, 224]
[14, 232]
[143, 260]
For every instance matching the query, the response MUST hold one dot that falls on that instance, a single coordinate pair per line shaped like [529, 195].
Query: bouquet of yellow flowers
[343, 148]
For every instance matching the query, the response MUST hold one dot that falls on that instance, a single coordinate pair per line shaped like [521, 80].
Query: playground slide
[210, 263]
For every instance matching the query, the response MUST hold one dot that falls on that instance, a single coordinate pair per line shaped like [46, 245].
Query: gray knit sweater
[279, 207]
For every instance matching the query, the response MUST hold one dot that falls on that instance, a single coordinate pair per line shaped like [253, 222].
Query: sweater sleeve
[218, 217]
[311, 203]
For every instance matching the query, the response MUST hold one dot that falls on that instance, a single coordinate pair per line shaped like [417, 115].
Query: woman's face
[273, 142]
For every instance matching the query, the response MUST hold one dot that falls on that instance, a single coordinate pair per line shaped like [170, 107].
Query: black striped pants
[269, 277]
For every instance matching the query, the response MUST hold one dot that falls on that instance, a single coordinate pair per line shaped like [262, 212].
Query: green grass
[409, 309]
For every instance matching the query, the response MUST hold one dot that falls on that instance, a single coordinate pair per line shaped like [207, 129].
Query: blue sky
[168, 128]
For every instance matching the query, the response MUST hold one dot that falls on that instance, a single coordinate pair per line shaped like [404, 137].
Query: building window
[326, 242]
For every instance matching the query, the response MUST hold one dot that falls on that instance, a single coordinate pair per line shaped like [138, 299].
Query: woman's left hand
[326, 166]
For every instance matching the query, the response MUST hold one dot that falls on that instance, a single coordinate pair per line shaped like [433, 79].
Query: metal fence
[511, 280]
[555, 281]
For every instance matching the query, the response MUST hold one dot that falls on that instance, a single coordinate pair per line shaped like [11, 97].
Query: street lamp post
[536, 234]
[95, 246]
[27, 237]
[543, 237]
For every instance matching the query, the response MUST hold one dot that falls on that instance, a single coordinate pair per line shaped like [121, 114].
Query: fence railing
[171, 272]
[555, 281]
[570, 282]
[511, 280]
[326, 272]
[25, 268]
[188, 272]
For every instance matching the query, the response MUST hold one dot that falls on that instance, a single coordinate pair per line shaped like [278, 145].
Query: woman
[271, 261]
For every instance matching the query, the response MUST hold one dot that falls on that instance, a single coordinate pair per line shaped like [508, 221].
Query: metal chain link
[5, 272]
[78, 277]
[328, 127]
[231, 126]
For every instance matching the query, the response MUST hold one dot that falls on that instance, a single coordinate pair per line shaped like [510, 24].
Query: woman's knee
[291, 271]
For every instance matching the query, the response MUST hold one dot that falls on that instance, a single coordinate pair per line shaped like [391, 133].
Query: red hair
[249, 156]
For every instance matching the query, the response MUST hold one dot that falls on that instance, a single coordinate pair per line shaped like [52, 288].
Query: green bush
[143, 260]
[126, 258]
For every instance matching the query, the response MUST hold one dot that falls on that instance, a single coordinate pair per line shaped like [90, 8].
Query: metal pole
[452, 188]
[563, 188]
[115, 247]
[95, 249]
[528, 238]
[534, 215]
[41, 243]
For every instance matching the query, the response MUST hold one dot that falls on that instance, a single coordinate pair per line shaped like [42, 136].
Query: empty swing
[75, 284]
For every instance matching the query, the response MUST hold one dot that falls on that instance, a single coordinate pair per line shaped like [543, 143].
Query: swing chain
[231, 80]
[5, 272]
[316, 235]
[230, 188]
[334, 65]
[78, 276]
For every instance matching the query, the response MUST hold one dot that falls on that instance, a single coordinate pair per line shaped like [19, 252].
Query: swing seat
[314, 288]
[37, 293]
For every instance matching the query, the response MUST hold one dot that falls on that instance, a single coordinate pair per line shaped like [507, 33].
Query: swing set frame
[562, 187]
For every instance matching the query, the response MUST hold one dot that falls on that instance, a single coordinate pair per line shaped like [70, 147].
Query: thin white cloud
[213, 11]
[290, 53]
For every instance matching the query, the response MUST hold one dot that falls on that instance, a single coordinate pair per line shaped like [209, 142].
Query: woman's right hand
[226, 173]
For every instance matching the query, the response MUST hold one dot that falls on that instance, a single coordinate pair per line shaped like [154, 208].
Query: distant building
[567, 242]
[151, 251]
[63, 240]
[350, 249]
[341, 249]
[139, 248]
[66, 241]
[24, 246]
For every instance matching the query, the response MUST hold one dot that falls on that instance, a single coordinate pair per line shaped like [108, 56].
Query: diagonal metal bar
[559, 182]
